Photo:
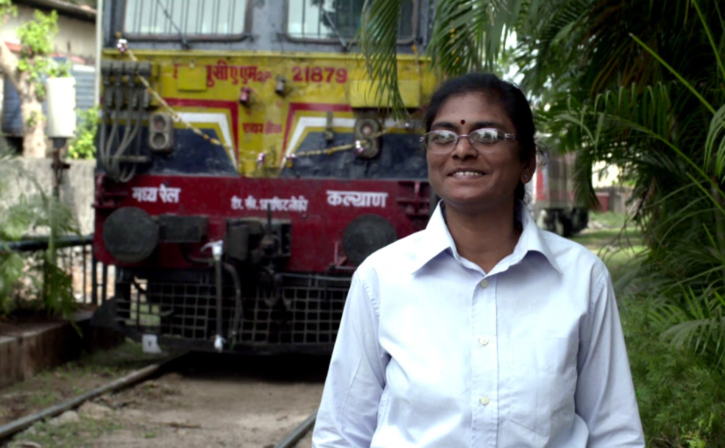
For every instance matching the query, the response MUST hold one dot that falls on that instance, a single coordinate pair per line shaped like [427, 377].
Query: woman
[481, 330]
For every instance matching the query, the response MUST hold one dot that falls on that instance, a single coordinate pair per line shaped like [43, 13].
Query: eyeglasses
[443, 142]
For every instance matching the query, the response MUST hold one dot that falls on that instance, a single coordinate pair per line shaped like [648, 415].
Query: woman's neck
[485, 237]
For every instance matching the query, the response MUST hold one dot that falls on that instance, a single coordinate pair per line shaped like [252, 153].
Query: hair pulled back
[510, 97]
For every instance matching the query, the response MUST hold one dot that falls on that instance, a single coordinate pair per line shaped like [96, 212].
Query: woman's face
[470, 180]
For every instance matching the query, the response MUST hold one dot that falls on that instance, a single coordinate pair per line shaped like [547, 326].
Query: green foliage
[36, 36]
[11, 269]
[378, 39]
[83, 145]
[69, 435]
[658, 111]
[38, 275]
[58, 70]
[34, 117]
[467, 35]
[36, 44]
[7, 9]
[681, 401]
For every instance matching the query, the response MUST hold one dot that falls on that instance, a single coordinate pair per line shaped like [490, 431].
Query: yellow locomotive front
[269, 82]
[245, 170]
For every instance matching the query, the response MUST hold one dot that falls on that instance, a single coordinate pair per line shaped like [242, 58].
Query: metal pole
[99, 49]
[94, 280]
[84, 260]
[104, 274]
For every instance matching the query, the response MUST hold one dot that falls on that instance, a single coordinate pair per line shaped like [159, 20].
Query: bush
[681, 401]
[83, 145]
[47, 286]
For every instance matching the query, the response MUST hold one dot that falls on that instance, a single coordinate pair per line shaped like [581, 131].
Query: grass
[69, 435]
[615, 246]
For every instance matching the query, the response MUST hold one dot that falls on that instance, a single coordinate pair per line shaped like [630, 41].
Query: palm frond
[716, 51]
[378, 40]
[714, 150]
[696, 324]
[676, 73]
[469, 35]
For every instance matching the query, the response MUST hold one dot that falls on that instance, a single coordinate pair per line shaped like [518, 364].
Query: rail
[75, 257]
[290, 440]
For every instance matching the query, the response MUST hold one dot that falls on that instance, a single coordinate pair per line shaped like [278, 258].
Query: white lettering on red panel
[356, 198]
[275, 204]
[152, 194]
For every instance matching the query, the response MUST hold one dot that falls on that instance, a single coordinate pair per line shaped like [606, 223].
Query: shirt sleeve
[356, 378]
[605, 397]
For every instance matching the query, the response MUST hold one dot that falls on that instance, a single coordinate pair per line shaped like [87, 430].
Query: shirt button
[484, 283]
[484, 401]
[483, 341]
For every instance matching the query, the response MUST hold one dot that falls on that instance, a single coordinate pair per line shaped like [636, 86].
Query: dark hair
[511, 98]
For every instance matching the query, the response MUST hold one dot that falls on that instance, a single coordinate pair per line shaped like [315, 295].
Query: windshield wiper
[184, 43]
[334, 28]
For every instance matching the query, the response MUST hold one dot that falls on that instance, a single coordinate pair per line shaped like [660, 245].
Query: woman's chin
[468, 203]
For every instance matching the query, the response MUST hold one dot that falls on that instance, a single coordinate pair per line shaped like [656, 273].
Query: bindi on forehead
[463, 121]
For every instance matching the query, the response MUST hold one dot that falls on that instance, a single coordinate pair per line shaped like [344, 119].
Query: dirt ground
[55, 385]
[209, 401]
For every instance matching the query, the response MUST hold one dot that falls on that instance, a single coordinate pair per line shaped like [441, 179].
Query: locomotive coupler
[217, 250]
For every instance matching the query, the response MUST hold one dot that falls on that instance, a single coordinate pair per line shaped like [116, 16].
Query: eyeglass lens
[445, 141]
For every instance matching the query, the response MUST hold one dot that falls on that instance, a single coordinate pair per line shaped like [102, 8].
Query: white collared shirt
[434, 352]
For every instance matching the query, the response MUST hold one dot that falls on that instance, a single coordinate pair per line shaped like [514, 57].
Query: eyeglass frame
[506, 136]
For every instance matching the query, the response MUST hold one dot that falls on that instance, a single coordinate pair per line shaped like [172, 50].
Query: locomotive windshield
[333, 19]
[192, 18]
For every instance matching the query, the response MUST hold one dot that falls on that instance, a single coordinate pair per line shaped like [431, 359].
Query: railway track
[255, 385]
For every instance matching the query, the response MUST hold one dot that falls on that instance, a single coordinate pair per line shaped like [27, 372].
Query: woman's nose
[464, 149]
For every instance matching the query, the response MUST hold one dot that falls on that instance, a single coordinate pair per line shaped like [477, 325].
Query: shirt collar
[437, 238]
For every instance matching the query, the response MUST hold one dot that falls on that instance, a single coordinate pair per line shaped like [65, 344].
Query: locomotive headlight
[367, 139]
[161, 132]
[366, 234]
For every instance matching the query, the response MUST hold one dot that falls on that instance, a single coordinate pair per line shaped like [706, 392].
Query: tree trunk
[31, 110]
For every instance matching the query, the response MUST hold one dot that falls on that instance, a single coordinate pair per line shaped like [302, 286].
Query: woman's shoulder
[571, 256]
[396, 256]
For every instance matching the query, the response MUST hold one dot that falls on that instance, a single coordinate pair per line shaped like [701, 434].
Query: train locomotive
[244, 168]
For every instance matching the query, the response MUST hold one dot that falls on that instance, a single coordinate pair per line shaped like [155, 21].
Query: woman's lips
[466, 174]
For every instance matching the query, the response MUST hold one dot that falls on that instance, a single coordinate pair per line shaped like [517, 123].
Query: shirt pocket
[542, 383]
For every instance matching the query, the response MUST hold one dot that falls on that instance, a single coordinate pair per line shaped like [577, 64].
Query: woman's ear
[529, 170]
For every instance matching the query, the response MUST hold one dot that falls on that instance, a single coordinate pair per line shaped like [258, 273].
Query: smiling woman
[481, 330]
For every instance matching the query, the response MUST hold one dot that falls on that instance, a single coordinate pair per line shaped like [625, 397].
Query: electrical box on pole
[61, 98]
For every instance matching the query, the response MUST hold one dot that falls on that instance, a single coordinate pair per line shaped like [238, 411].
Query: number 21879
[319, 74]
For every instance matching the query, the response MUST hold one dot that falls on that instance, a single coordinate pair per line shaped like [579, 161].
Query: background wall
[76, 190]
[76, 37]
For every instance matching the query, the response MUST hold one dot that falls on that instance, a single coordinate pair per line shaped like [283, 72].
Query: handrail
[37, 244]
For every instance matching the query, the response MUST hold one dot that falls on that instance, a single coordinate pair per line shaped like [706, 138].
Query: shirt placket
[484, 362]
